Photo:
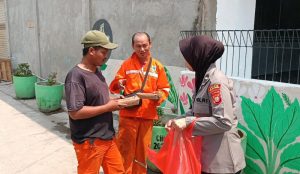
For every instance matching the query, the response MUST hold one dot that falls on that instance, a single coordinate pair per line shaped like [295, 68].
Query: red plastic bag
[180, 153]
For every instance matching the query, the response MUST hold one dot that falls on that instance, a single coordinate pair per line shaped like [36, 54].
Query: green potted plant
[23, 81]
[49, 93]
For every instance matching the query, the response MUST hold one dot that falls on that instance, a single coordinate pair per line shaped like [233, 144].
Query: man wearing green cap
[90, 109]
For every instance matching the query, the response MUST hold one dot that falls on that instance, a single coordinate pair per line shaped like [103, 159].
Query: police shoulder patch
[215, 92]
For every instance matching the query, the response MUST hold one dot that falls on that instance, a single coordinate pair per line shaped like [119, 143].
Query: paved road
[33, 142]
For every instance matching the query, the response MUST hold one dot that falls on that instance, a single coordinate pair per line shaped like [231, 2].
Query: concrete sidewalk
[33, 142]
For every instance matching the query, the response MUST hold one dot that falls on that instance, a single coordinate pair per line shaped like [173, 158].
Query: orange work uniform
[135, 124]
[101, 152]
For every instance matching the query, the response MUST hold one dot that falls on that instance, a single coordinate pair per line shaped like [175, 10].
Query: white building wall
[236, 15]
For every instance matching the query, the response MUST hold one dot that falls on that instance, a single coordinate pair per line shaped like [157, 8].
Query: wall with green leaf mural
[269, 112]
[271, 118]
[271, 126]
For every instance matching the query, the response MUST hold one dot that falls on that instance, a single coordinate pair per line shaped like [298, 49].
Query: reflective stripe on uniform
[153, 74]
[137, 72]
[132, 72]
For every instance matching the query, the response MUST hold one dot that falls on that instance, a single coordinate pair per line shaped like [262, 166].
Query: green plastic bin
[158, 135]
[48, 98]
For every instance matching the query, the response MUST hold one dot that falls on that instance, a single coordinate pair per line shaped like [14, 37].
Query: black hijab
[200, 52]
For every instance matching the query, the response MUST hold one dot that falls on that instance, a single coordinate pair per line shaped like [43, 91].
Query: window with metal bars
[259, 54]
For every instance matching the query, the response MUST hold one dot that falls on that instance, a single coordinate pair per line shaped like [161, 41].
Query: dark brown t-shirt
[84, 88]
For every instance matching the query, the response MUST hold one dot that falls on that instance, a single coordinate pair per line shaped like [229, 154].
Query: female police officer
[213, 108]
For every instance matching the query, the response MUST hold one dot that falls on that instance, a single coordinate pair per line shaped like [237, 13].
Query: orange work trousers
[133, 139]
[92, 155]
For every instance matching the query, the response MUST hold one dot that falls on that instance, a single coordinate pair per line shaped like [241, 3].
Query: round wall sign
[103, 25]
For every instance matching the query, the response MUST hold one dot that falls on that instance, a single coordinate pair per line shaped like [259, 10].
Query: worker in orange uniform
[135, 124]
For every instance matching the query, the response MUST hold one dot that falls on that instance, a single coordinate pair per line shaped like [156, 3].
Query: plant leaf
[182, 111]
[288, 126]
[254, 148]
[23, 70]
[173, 95]
[290, 157]
[272, 111]
[252, 168]
[252, 115]
[277, 127]
[286, 99]
[190, 100]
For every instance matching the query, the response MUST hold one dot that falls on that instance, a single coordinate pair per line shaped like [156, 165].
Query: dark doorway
[277, 14]
[276, 46]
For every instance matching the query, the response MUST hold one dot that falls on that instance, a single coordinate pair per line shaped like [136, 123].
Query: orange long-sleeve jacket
[134, 72]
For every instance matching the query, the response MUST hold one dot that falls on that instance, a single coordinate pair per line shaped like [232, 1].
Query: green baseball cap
[97, 38]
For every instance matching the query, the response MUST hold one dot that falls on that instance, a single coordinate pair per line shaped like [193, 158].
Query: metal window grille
[259, 54]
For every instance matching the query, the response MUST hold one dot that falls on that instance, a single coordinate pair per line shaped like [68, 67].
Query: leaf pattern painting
[273, 135]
